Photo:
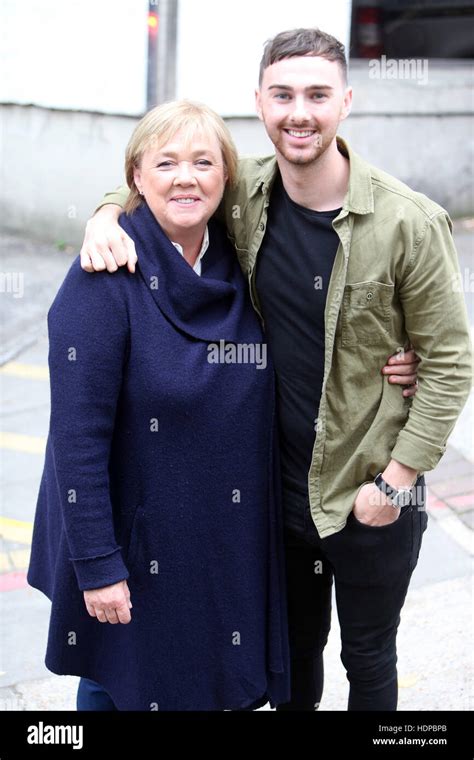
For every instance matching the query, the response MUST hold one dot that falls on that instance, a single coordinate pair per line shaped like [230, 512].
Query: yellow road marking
[406, 682]
[20, 558]
[18, 531]
[31, 444]
[32, 371]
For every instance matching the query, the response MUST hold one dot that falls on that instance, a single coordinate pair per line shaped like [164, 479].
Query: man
[346, 266]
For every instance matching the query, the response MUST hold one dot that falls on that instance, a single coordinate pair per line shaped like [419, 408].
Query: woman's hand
[106, 245]
[110, 604]
[372, 507]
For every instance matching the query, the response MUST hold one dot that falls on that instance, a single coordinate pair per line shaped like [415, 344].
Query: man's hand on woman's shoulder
[106, 245]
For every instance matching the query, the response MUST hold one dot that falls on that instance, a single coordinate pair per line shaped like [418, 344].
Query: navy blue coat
[160, 469]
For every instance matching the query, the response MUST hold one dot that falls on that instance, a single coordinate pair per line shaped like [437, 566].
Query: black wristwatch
[400, 498]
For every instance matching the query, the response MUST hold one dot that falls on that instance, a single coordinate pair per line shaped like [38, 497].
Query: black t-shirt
[294, 266]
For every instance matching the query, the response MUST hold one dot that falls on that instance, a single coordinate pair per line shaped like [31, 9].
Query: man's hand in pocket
[372, 507]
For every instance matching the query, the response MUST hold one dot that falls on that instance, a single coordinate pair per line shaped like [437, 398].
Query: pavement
[435, 642]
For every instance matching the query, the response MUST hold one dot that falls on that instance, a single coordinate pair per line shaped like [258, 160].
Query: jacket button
[370, 296]
[261, 226]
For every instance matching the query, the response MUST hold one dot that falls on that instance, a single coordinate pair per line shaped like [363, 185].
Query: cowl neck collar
[206, 307]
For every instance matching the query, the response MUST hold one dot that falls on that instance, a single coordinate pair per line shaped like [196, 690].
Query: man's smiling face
[301, 101]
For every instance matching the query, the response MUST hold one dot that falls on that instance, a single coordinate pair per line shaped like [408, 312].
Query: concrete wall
[56, 165]
[93, 54]
[60, 54]
[423, 133]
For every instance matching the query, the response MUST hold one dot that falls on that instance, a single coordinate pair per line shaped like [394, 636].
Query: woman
[157, 533]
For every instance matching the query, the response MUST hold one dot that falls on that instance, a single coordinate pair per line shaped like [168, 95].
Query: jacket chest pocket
[366, 313]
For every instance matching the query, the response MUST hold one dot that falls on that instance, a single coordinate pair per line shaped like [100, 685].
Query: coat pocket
[366, 313]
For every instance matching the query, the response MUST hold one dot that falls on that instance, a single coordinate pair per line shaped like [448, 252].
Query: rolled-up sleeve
[118, 196]
[437, 325]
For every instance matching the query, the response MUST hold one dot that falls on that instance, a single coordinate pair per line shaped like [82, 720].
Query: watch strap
[398, 498]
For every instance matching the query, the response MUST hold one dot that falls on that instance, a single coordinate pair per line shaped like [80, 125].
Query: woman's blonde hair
[160, 124]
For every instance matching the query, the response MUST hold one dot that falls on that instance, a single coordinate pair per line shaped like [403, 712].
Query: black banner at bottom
[86, 734]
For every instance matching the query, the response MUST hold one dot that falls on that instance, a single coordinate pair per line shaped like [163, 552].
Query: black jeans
[371, 567]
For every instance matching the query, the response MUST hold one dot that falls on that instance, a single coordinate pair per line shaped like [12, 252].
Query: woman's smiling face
[183, 182]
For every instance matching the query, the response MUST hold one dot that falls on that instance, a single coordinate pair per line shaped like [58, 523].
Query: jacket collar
[359, 197]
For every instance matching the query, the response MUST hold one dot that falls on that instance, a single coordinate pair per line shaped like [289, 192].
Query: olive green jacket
[395, 281]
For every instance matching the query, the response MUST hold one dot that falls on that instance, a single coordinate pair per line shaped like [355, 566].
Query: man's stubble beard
[307, 159]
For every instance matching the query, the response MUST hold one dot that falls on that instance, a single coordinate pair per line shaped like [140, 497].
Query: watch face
[402, 498]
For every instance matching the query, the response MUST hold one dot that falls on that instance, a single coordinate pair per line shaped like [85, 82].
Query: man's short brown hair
[301, 42]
